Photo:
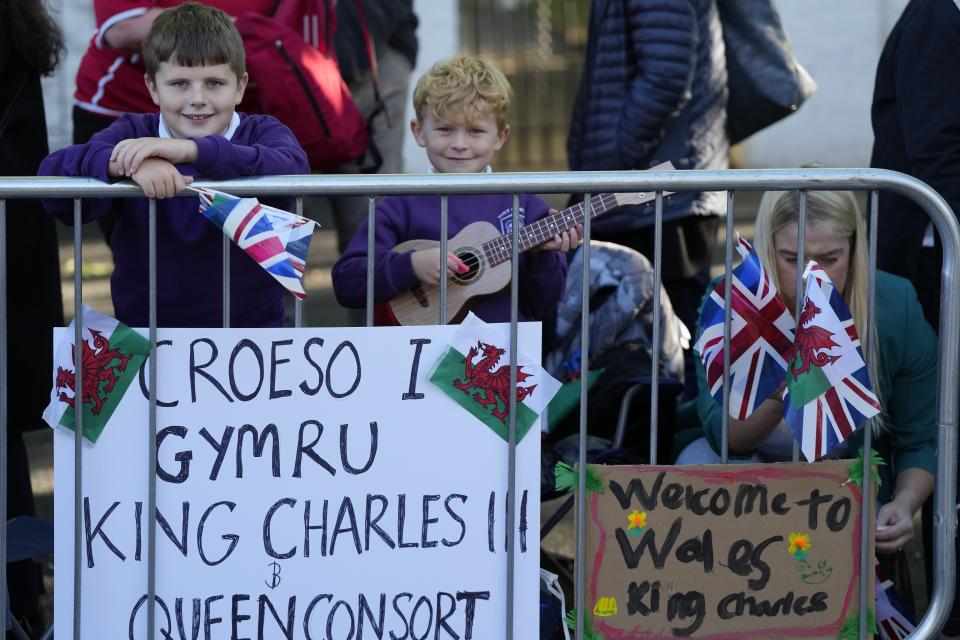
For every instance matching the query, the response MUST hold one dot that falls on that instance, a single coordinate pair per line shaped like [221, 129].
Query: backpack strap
[374, 67]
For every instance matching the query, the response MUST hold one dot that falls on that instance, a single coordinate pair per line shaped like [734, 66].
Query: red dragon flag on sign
[475, 372]
[828, 386]
[277, 240]
[112, 354]
[761, 336]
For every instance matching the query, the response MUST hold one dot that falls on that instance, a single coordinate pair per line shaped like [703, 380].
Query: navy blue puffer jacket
[654, 88]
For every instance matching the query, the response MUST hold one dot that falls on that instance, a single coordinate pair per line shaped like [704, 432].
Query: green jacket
[907, 385]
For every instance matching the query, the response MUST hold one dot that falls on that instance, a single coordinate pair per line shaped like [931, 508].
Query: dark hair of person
[193, 35]
[35, 36]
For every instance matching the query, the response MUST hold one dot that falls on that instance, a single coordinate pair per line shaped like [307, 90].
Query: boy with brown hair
[461, 109]
[196, 75]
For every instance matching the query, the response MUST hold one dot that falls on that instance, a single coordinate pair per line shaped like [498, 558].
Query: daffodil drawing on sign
[637, 522]
[606, 606]
[799, 545]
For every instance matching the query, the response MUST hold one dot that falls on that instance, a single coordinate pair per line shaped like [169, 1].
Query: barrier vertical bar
[77, 415]
[152, 429]
[3, 405]
[512, 431]
[444, 203]
[866, 561]
[655, 334]
[727, 301]
[944, 497]
[371, 247]
[580, 569]
[297, 302]
[801, 263]
[225, 243]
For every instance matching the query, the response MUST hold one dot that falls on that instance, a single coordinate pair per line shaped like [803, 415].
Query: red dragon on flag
[811, 339]
[100, 363]
[493, 383]
[470, 373]
[111, 354]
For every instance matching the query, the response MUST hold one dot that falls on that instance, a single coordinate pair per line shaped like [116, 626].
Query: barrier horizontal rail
[542, 182]
[596, 182]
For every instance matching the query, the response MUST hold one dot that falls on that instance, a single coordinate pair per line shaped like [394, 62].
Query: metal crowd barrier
[869, 180]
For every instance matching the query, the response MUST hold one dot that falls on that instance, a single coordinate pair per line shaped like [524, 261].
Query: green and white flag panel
[474, 371]
[112, 354]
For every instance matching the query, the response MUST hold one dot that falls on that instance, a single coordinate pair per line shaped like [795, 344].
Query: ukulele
[487, 254]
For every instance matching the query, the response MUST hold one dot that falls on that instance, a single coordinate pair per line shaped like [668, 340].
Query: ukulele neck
[498, 251]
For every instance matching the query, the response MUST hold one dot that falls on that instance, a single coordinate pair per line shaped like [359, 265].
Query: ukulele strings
[472, 261]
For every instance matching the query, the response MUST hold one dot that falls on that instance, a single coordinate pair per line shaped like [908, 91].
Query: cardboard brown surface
[711, 557]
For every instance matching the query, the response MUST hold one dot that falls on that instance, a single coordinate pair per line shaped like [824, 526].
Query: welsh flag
[112, 356]
[828, 388]
[277, 240]
[475, 372]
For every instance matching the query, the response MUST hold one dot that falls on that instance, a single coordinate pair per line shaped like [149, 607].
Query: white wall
[839, 43]
[439, 35]
[75, 18]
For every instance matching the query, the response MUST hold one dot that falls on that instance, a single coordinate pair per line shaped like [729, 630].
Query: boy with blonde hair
[461, 109]
[196, 75]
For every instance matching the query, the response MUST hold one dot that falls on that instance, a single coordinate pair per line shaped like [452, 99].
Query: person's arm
[393, 272]
[88, 160]
[129, 154]
[128, 32]
[910, 356]
[663, 41]
[743, 436]
[895, 518]
[273, 151]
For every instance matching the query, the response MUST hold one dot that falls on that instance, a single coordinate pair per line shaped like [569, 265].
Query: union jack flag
[828, 386]
[761, 336]
[891, 621]
[278, 240]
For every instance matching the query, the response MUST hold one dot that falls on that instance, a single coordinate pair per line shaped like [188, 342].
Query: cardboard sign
[739, 551]
[311, 483]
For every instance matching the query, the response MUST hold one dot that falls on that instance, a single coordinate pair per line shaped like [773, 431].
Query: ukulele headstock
[643, 197]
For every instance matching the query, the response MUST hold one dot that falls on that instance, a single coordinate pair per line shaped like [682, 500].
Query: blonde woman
[902, 359]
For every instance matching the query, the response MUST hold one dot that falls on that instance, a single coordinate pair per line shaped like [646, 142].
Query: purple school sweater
[401, 218]
[189, 280]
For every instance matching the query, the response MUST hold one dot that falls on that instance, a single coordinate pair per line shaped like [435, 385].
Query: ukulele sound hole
[472, 259]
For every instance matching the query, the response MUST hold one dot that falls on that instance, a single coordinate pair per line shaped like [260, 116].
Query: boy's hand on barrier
[129, 154]
[160, 179]
[426, 265]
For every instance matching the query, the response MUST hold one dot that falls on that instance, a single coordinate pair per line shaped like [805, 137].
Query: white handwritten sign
[311, 484]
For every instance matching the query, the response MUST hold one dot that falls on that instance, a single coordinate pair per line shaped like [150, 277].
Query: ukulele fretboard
[498, 251]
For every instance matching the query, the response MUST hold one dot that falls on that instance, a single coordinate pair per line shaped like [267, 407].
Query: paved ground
[320, 309]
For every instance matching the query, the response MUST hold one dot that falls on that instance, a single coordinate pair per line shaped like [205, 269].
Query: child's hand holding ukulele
[569, 239]
[426, 265]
